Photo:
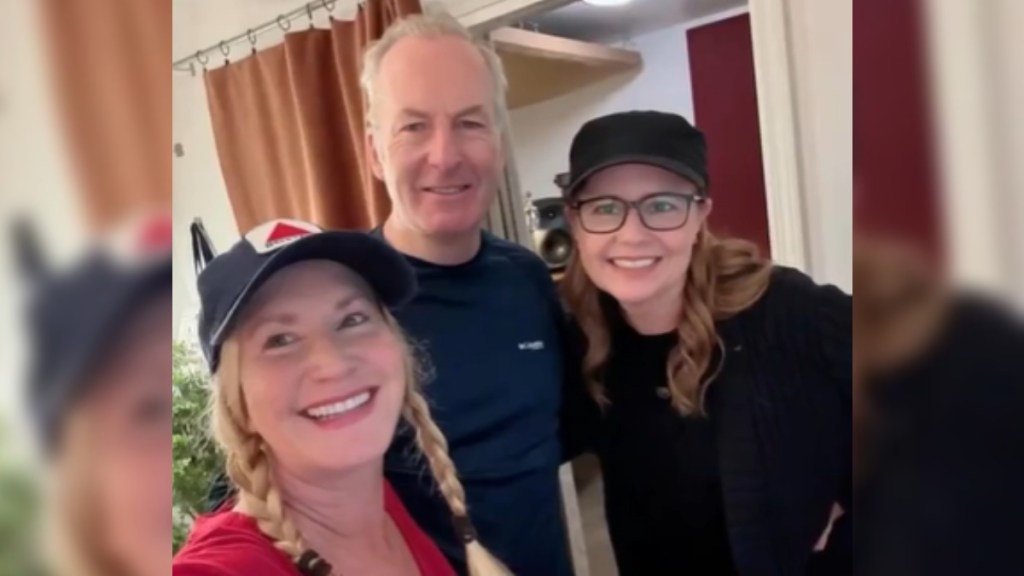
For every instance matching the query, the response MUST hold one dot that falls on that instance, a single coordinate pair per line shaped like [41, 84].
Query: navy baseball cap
[75, 314]
[660, 139]
[229, 280]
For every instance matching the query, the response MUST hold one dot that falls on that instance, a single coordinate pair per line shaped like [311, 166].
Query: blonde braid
[434, 446]
[248, 464]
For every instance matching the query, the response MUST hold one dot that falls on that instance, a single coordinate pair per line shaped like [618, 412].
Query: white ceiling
[619, 23]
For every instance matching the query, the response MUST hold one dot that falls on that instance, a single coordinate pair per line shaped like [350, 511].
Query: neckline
[421, 263]
[617, 320]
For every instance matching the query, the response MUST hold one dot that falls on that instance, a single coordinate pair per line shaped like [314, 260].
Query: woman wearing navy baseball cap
[100, 340]
[312, 376]
[717, 389]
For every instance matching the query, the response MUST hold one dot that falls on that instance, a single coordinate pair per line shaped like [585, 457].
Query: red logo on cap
[270, 236]
[284, 232]
[155, 235]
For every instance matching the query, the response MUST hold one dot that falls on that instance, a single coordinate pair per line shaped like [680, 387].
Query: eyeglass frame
[690, 199]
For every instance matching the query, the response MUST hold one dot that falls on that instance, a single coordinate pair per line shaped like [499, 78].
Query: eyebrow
[467, 111]
[290, 319]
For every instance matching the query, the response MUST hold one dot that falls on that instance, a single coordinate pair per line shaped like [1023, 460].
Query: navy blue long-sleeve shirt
[489, 330]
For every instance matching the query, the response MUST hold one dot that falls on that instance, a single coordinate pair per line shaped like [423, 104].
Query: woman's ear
[704, 210]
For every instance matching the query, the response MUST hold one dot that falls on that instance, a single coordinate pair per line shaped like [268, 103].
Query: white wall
[822, 53]
[544, 131]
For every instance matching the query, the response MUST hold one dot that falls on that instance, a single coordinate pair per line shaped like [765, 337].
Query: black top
[756, 480]
[663, 498]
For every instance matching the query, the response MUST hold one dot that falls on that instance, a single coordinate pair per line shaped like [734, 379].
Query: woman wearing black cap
[312, 375]
[716, 385]
[99, 397]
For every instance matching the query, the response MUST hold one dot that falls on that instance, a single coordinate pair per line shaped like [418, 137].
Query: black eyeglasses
[661, 211]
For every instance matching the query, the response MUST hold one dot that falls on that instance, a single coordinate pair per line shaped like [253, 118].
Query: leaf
[197, 460]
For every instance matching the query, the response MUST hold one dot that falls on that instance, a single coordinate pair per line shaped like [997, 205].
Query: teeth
[447, 189]
[338, 408]
[631, 263]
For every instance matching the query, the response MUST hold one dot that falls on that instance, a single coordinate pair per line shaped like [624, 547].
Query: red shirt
[229, 543]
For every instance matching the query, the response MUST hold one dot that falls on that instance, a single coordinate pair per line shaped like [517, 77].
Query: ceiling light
[606, 2]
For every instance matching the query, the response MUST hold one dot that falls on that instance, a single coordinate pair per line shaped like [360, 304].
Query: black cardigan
[782, 418]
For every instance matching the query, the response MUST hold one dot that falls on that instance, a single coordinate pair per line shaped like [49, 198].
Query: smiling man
[487, 312]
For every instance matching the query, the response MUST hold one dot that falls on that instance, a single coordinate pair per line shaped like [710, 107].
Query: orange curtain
[109, 61]
[289, 126]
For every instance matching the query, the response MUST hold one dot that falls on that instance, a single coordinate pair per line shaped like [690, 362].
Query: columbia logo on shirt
[534, 345]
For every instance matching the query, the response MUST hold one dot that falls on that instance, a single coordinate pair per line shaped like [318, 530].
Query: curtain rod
[283, 22]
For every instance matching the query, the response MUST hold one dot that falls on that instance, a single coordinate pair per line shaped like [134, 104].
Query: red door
[895, 187]
[725, 109]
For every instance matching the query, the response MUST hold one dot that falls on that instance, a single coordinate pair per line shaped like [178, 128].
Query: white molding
[780, 140]
[716, 17]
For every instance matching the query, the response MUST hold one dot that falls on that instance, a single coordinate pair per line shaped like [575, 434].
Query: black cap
[230, 279]
[76, 313]
[660, 139]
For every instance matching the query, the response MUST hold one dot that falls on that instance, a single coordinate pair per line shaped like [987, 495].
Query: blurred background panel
[84, 144]
[938, 134]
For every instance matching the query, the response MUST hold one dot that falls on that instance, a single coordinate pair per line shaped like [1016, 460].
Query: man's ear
[371, 153]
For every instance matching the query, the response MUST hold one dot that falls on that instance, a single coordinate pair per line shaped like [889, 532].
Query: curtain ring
[283, 23]
[202, 59]
[252, 39]
[329, 5]
[225, 50]
[309, 14]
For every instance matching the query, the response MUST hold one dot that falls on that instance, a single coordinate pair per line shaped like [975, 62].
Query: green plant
[19, 511]
[196, 459]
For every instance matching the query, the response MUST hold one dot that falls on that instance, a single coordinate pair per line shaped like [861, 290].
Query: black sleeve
[834, 320]
[824, 315]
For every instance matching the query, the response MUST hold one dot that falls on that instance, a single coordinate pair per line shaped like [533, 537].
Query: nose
[633, 229]
[328, 361]
[444, 152]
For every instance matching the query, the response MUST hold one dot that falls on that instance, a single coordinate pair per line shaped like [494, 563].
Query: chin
[453, 224]
[348, 455]
[627, 295]
[627, 291]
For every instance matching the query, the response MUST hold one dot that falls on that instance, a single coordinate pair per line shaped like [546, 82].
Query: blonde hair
[724, 278]
[248, 465]
[435, 23]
